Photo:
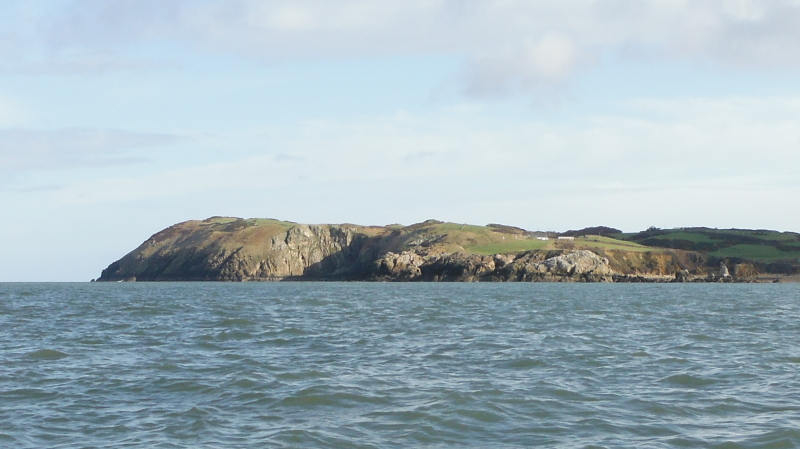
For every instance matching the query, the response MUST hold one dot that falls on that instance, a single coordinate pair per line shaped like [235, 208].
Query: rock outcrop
[683, 276]
[574, 266]
[401, 267]
[745, 271]
[580, 265]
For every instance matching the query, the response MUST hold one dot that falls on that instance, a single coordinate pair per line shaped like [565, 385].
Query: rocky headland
[233, 249]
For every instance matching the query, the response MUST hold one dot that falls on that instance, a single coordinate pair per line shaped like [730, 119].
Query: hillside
[771, 250]
[235, 249]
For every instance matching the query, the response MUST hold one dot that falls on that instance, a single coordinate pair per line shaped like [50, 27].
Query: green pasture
[694, 237]
[755, 252]
[509, 245]
[774, 236]
[595, 241]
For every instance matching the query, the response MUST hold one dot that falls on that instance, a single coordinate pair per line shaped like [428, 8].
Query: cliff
[234, 249]
[222, 249]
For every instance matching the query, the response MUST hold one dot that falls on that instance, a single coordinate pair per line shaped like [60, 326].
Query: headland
[236, 249]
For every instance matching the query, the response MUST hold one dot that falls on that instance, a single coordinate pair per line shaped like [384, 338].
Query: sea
[399, 365]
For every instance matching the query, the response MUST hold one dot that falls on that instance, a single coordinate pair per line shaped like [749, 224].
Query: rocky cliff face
[574, 266]
[213, 251]
[229, 249]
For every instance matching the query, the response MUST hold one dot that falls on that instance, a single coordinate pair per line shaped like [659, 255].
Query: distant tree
[604, 231]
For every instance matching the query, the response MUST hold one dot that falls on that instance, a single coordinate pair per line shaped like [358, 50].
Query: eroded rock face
[188, 252]
[300, 251]
[401, 267]
[723, 270]
[744, 270]
[576, 266]
[578, 263]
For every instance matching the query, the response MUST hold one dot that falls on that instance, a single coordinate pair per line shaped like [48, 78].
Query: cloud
[508, 46]
[24, 149]
[531, 65]
[741, 33]
[722, 145]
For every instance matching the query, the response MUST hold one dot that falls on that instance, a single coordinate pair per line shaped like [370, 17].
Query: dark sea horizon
[397, 365]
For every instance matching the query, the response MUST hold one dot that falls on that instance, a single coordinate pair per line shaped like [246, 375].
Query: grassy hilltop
[499, 239]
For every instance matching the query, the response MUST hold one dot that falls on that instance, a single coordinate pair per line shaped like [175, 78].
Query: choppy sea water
[369, 365]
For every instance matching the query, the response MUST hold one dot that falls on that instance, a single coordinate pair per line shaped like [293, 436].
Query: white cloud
[532, 64]
[508, 45]
[695, 143]
[24, 149]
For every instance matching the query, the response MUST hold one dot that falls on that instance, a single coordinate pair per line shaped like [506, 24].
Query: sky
[119, 118]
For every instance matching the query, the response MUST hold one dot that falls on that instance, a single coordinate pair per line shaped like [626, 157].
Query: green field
[755, 252]
[510, 245]
[483, 239]
[755, 244]
[595, 241]
[688, 236]
[774, 236]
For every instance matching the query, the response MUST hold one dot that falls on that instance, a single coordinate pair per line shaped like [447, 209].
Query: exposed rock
[201, 251]
[744, 271]
[682, 276]
[581, 266]
[576, 266]
[723, 271]
[401, 267]
[501, 260]
[459, 267]
[642, 278]
[578, 263]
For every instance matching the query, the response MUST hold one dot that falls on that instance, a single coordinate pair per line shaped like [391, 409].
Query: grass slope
[490, 240]
[756, 252]
[758, 245]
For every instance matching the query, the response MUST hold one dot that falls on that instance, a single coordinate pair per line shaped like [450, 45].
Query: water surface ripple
[368, 365]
